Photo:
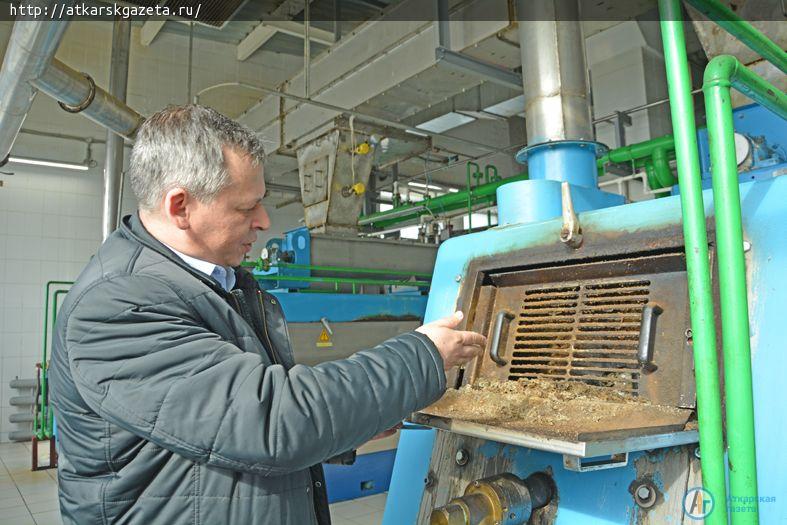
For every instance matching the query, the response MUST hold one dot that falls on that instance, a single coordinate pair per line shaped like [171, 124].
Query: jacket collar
[131, 226]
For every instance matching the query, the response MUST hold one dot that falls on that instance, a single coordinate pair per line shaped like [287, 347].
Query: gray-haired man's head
[183, 146]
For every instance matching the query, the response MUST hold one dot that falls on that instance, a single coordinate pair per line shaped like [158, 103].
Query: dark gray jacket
[177, 402]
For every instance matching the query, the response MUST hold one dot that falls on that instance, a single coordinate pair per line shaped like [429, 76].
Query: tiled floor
[26, 497]
[30, 498]
[361, 511]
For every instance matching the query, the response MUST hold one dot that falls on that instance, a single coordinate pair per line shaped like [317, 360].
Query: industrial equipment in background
[598, 398]
[342, 293]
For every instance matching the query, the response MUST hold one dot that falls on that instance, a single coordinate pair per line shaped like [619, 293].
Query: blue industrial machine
[341, 294]
[582, 410]
[636, 470]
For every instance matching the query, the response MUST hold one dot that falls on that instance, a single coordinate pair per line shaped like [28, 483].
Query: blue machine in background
[341, 295]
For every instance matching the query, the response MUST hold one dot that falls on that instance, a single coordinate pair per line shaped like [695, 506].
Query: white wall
[627, 72]
[50, 219]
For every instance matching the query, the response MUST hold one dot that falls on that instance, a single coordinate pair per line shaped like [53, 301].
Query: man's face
[225, 228]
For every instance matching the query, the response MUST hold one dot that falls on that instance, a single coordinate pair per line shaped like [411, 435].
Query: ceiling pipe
[30, 66]
[113, 165]
[557, 106]
[78, 93]
[31, 48]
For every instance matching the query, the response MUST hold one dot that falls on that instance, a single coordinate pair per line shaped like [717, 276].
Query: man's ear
[177, 202]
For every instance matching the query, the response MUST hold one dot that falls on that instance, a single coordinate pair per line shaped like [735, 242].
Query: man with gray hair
[173, 383]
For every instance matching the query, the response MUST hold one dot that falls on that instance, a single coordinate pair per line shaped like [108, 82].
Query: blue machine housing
[602, 496]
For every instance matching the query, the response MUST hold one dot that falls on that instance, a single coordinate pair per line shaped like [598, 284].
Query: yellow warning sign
[324, 339]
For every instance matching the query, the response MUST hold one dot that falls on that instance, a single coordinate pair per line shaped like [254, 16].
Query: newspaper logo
[698, 503]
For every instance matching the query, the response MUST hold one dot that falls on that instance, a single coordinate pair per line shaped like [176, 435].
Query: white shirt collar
[225, 276]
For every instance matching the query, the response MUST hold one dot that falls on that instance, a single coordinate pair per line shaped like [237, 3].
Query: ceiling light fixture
[49, 163]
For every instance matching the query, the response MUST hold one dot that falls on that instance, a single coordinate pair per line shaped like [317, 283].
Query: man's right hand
[457, 347]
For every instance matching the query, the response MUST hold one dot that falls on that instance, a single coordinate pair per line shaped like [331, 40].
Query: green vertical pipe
[46, 415]
[722, 73]
[706, 368]
[662, 171]
[743, 31]
[469, 195]
[48, 287]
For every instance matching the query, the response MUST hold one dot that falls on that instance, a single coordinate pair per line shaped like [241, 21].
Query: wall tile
[12, 317]
[10, 343]
[10, 368]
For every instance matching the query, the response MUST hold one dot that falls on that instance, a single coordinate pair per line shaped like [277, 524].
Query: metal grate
[584, 332]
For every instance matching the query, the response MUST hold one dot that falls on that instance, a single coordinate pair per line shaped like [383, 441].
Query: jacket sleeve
[150, 366]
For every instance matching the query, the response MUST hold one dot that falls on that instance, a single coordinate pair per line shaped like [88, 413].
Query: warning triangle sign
[324, 339]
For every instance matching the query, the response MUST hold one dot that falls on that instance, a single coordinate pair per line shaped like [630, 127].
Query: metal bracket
[579, 464]
[91, 94]
[621, 120]
[571, 233]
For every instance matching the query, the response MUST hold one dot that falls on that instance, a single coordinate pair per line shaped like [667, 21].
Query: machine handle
[326, 325]
[494, 350]
[647, 337]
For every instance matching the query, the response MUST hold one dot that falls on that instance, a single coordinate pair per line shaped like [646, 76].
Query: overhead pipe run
[29, 66]
[30, 50]
[78, 93]
[113, 166]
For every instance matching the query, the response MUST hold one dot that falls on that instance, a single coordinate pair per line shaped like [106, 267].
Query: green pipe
[723, 73]
[337, 269]
[48, 287]
[662, 171]
[706, 368]
[469, 194]
[485, 193]
[653, 155]
[487, 177]
[743, 31]
[343, 280]
[638, 151]
[487, 180]
[46, 415]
